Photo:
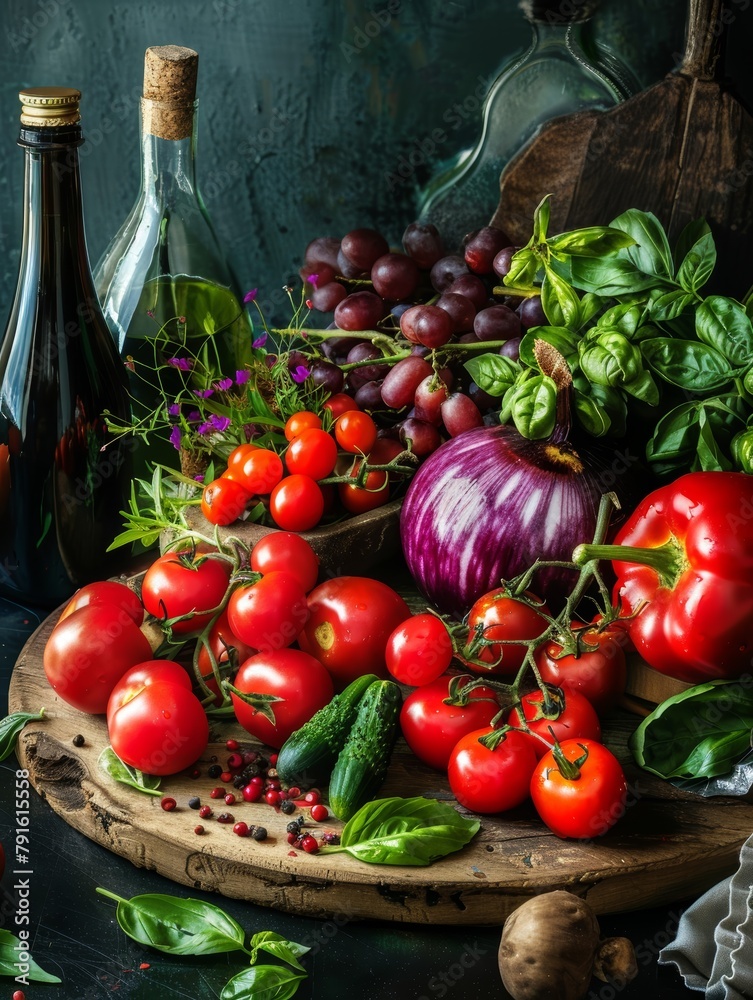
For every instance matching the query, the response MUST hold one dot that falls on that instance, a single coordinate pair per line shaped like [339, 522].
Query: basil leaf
[650, 252]
[559, 301]
[710, 457]
[533, 407]
[590, 305]
[399, 831]
[591, 415]
[700, 733]
[10, 946]
[644, 388]
[541, 221]
[673, 443]
[625, 318]
[599, 403]
[689, 365]
[263, 982]
[669, 305]
[591, 241]
[279, 946]
[724, 325]
[523, 268]
[611, 360]
[11, 726]
[697, 264]
[690, 235]
[119, 771]
[563, 339]
[494, 373]
[611, 276]
[177, 926]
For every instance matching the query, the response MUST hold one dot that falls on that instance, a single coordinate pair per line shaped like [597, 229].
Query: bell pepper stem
[667, 559]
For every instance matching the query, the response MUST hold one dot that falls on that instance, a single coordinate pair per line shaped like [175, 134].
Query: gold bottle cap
[48, 107]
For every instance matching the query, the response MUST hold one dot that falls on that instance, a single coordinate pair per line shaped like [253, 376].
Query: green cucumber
[365, 757]
[308, 755]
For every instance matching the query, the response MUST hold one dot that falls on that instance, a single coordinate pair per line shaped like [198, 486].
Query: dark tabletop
[74, 934]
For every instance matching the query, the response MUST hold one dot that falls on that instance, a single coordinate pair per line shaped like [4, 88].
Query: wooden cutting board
[669, 845]
[682, 149]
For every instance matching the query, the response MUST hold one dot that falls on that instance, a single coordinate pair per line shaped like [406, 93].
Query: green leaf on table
[11, 726]
[123, 773]
[398, 831]
[650, 252]
[723, 324]
[533, 407]
[494, 373]
[177, 926]
[10, 946]
[690, 365]
[591, 241]
[702, 732]
[279, 946]
[263, 982]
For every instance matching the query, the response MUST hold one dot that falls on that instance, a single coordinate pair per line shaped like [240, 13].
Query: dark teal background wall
[315, 116]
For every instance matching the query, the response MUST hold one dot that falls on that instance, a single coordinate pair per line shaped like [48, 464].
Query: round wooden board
[669, 844]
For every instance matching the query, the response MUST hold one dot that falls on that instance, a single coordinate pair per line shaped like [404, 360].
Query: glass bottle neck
[168, 164]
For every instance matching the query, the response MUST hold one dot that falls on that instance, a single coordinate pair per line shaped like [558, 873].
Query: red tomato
[299, 422]
[228, 650]
[261, 471]
[585, 806]
[577, 718]
[498, 616]
[298, 680]
[599, 674]
[89, 651]
[339, 402]
[419, 650]
[356, 432]
[236, 460]
[224, 500]
[154, 720]
[313, 453]
[374, 493]
[351, 618]
[491, 781]
[270, 613]
[432, 728]
[296, 503]
[106, 592]
[177, 584]
[286, 551]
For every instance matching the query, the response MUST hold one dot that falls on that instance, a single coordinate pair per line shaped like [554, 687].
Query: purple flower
[203, 393]
[175, 437]
[199, 478]
[219, 423]
[314, 279]
[223, 384]
[185, 364]
[250, 296]
[260, 341]
[205, 428]
[241, 377]
[193, 416]
[174, 409]
[300, 373]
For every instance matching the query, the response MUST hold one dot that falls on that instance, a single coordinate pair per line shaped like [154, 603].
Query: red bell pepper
[684, 565]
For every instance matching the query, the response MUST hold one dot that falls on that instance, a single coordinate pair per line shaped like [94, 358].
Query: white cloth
[713, 948]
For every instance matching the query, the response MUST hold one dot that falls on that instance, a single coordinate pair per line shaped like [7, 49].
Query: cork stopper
[48, 107]
[169, 91]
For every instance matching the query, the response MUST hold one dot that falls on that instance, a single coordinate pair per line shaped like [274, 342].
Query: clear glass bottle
[63, 479]
[554, 76]
[165, 269]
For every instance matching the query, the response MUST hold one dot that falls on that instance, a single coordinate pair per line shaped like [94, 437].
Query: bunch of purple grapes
[427, 302]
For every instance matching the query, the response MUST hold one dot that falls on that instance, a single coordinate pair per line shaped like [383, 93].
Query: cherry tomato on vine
[224, 500]
[491, 781]
[284, 550]
[89, 651]
[178, 585]
[296, 503]
[339, 402]
[586, 805]
[298, 680]
[261, 471]
[356, 432]
[599, 674]
[374, 493]
[432, 727]
[419, 650]
[154, 720]
[351, 618]
[500, 617]
[577, 718]
[313, 453]
[270, 613]
[301, 421]
[106, 592]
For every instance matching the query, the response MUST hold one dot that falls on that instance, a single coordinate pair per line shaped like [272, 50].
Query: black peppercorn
[78, 740]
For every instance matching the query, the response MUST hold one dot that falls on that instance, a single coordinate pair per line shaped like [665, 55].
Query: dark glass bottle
[63, 480]
[164, 275]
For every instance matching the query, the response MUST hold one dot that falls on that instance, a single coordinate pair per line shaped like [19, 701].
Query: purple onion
[486, 504]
